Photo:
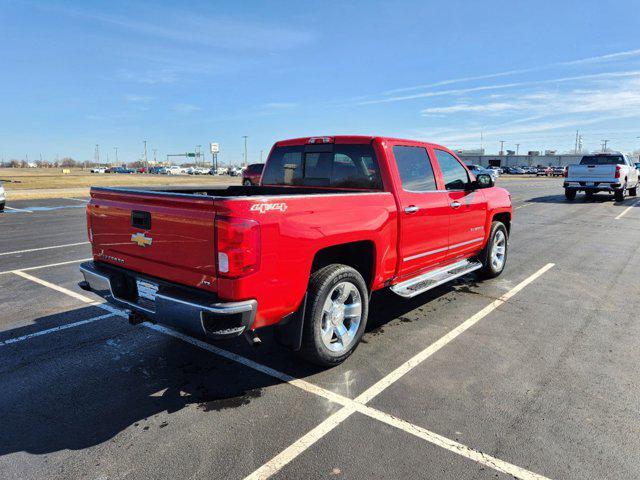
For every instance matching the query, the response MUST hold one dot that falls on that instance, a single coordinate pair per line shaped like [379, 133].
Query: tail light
[565, 172]
[618, 168]
[237, 246]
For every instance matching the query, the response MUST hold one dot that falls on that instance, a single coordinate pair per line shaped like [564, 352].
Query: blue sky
[178, 74]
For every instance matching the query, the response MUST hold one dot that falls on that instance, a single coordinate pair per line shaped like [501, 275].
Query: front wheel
[494, 255]
[336, 315]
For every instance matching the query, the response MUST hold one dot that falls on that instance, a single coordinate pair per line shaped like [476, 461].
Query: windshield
[602, 160]
[343, 166]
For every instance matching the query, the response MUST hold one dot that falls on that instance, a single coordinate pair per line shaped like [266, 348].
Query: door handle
[411, 209]
[455, 204]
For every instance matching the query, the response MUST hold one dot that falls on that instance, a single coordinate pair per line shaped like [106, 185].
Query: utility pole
[154, 156]
[116, 151]
[96, 154]
[517, 148]
[481, 141]
[604, 145]
[146, 164]
[261, 156]
[198, 147]
[575, 150]
[501, 147]
[245, 149]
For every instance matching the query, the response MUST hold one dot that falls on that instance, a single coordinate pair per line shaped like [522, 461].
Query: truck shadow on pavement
[81, 387]
[581, 198]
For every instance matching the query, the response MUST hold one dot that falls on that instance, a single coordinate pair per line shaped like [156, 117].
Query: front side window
[342, 166]
[454, 175]
[415, 169]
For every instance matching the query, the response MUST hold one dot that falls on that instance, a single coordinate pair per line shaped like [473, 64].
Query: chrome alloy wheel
[498, 250]
[341, 316]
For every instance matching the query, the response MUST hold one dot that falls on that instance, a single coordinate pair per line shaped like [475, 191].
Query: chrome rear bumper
[174, 305]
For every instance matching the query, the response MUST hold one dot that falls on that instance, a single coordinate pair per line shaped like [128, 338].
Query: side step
[427, 281]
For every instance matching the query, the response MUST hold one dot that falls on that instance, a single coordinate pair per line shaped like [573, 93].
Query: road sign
[215, 147]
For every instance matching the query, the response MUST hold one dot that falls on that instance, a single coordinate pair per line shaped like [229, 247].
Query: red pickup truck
[333, 219]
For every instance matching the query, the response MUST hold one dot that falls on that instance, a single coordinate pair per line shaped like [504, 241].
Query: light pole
[501, 147]
[245, 149]
[517, 148]
[116, 150]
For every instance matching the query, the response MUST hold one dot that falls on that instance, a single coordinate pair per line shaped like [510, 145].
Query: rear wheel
[570, 194]
[336, 315]
[618, 195]
[633, 191]
[494, 255]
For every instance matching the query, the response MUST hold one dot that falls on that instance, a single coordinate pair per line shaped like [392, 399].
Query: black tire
[633, 191]
[247, 183]
[321, 285]
[489, 269]
[2, 207]
[570, 194]
[618, 195]
[589, 194]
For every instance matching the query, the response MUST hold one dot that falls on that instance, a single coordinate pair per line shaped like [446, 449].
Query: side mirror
[484, 180]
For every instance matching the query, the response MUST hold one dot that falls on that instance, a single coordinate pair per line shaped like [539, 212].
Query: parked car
[155, 170]
[516, 171]
[544, 171]
[120, 170]
[235, 172]
[98, 170]
[602, 172]
[173, 170]
[141, 170]
[3, 197]
[334, 219]
[476, 169]
[251, 175]
[496, 169]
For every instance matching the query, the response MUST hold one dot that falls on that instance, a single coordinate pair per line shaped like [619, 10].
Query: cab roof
[351, 139]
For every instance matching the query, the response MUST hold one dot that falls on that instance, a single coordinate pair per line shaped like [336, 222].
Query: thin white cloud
[501, 86]
[132, 98]
[185, 108]
[483, 108]
[588, 60]
[280, 105]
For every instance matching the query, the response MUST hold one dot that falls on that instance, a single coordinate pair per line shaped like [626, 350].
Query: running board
[427, 281]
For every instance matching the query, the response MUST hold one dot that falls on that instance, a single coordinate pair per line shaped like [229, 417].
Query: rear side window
[454, 175]
[415, 169]
[602, 160]
[342, 166]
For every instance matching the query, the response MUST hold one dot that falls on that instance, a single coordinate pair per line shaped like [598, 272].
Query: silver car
[2, 197]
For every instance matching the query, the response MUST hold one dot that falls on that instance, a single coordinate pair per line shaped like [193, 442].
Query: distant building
[533, 159]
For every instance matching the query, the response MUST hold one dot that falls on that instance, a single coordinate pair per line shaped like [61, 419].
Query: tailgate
[594, 172]
[168, 236]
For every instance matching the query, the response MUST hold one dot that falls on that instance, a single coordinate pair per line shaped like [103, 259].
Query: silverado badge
[141, 240]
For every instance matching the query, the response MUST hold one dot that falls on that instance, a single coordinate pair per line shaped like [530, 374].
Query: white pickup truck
[602, 172]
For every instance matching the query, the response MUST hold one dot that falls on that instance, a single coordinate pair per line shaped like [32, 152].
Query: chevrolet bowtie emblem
[141, 240]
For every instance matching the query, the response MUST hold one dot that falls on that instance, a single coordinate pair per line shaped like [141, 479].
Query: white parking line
[15, 252]
[276, 463]
[623, 213]
[76, 199]
[18, 209]
[523, 205]
[54, 329]
[350, 406]
[38, 267]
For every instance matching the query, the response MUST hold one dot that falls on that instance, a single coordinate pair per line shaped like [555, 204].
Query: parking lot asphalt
[533, 374]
